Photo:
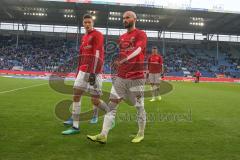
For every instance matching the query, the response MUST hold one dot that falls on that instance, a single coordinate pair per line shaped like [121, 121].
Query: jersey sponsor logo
[127, 45]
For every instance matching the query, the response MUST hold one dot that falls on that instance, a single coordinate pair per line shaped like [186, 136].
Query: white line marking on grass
[36, 85]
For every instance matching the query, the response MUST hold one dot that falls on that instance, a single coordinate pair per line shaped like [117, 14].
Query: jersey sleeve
[79, 55]
[139, 47]
[141, 40]
[98, 42]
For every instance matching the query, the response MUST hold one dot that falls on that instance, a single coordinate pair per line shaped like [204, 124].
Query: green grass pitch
[210, 129]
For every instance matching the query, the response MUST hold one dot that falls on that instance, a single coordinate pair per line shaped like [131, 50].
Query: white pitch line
[36, 85]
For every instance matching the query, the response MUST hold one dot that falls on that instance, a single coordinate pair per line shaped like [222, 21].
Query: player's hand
[117, 63]
[162, 75]
[147, 75]
[92, 79]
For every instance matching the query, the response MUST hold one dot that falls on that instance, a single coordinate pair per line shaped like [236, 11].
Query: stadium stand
[43, 54]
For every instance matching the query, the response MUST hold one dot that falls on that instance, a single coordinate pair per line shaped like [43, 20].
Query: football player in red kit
[155, 69]
[90, 67]
[130, 81]
[197, 75]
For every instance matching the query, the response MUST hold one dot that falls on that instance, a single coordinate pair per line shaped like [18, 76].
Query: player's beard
[128, 25]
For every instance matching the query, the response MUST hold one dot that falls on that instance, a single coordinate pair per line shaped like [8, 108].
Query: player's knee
[76, 98]
[77, 95]
[112, 108]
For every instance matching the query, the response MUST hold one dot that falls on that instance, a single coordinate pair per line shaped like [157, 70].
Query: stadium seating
[42, 54]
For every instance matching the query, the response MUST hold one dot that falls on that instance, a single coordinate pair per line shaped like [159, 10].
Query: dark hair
[154, 47]
[87, 16]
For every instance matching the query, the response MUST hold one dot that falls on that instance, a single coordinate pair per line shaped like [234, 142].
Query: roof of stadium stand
[164, 19]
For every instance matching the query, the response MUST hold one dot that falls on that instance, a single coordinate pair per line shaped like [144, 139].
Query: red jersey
[198, 74]
[128, 43]
[91, 43]
[155, 62]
